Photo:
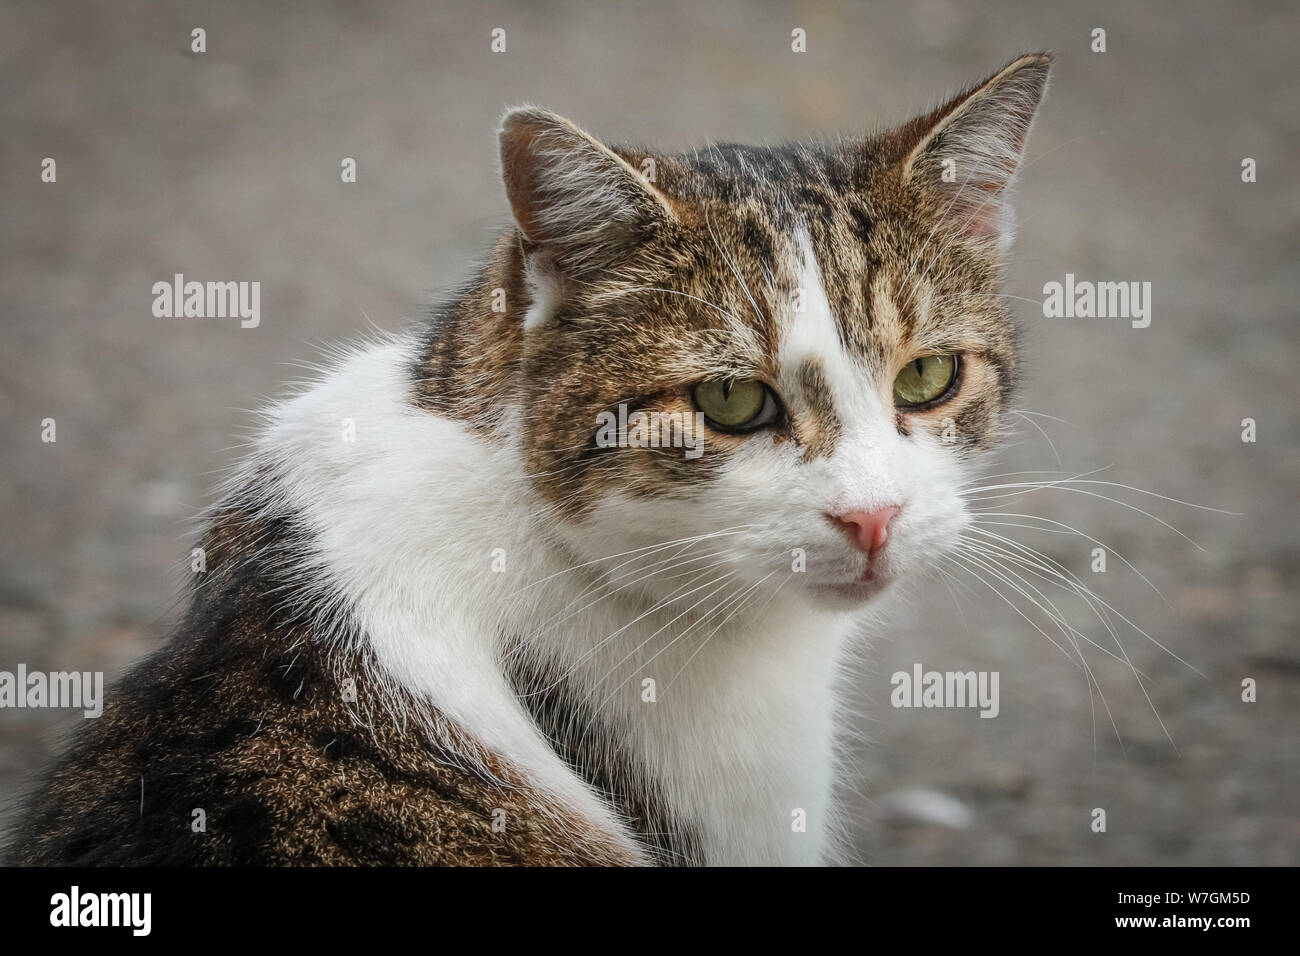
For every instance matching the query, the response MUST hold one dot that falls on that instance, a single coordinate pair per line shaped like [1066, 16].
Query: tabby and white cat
[442, 623]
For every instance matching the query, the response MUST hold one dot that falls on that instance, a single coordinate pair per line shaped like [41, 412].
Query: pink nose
[868, 530]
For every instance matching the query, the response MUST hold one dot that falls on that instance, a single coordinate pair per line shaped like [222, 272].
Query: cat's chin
[851, 594]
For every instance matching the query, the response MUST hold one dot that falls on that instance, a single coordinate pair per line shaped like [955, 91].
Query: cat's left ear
[572, 196]
[969, 149]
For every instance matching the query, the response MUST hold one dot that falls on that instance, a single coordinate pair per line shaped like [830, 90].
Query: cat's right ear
[572, 196]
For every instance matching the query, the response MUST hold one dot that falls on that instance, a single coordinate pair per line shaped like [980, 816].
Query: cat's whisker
[1062, 577]
[757, 613]
[1092, 683]
[735, 529]
[1063, 421]
[1136, 673]
[1054, 613]
[964, 560]
[641, 566]
[639, 575]
[1065, 486]
[742, 601]
[720, 581]
[737, 596]
[1133, 488]
[1010, 474]
[1091, 596]
[1060, 528]
[1041, 431]
[658, 605]
[999, 556]
[981, 492]
[1062, 625]
[953, 585]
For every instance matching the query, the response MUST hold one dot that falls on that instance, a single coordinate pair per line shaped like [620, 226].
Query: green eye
[735, 405]
[924, 379]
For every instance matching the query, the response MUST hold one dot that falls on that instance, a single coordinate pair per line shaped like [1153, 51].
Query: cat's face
[814, 332]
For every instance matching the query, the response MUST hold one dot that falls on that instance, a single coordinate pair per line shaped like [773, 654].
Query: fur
[442, 624]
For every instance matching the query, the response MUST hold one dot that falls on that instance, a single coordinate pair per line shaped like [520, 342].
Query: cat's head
[833, 311]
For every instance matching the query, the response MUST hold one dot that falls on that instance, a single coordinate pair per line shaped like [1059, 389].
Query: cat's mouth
[866, 586]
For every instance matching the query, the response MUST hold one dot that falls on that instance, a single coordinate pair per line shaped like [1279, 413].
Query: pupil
[920, 368]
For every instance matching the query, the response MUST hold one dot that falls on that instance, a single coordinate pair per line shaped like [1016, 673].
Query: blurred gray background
[226, 165]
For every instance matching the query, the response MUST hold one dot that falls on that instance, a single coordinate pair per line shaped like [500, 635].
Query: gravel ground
[226, 164]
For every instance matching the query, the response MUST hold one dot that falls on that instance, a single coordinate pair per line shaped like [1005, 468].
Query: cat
[441, 623]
